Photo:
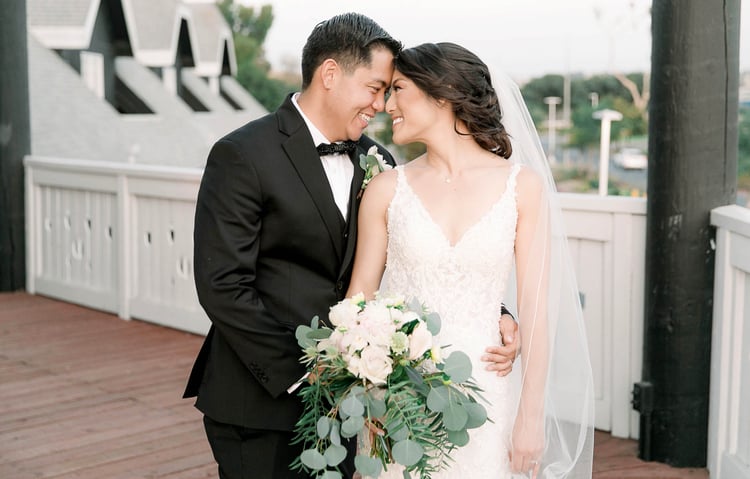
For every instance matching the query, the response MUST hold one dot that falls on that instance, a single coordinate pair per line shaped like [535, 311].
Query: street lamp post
[607, 117]
[594, 97]
[552, 102]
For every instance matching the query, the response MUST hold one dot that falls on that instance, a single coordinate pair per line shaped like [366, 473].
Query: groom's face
[359, 94]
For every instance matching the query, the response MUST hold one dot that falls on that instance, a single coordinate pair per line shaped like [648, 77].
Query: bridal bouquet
[379, 376]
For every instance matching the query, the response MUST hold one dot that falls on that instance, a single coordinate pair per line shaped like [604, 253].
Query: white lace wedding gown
[465, 284]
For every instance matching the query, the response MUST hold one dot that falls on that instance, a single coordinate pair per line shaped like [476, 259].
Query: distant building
[144, 81]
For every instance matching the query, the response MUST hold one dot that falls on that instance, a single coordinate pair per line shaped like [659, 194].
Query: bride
[472, 223]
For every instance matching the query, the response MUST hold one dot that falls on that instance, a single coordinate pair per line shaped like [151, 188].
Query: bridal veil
[554, 356]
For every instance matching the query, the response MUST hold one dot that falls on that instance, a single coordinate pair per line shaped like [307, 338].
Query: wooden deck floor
[86, 395]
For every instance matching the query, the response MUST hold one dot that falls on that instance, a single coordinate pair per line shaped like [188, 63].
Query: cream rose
[420, 341]
[344, 314]
[375, 365]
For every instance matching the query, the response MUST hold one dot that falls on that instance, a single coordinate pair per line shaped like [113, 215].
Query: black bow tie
[336, 148]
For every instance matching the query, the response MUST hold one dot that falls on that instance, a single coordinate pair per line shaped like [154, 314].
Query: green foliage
[249, 28]
[536, 90]
[584, 130]
[743, 159]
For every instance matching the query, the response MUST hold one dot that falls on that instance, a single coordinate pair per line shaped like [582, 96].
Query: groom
[275, 231]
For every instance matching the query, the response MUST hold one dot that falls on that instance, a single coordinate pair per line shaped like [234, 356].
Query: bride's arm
[532, 248]
[372, 235]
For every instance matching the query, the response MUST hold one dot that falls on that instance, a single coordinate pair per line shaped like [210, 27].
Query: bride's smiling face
[414, 113]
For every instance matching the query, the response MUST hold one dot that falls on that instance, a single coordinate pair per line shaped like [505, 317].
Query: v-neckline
[471, 227]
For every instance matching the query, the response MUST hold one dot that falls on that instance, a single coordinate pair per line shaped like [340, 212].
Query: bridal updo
[446, 71]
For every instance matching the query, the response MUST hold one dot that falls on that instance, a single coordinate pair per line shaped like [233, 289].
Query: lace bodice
[461, 281]
[465, 284]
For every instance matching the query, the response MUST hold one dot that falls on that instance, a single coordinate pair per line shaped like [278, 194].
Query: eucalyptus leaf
[315, 322]
[324, 426]
[417, 381]
[413, 304]
[397, 430]
[376, 406]
[352, 406]
[455, 416]
[407, 452]
[368, 466]
[331, 475]
[335, 455]
[313, 459]
[459, 438]
[438, 399]
[352, 426]
[335, 436]
[301, 333]
[458, 366]
[321, 333]
[477, 415]
[433, 322]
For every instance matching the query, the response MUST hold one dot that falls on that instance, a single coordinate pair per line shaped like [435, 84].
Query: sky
[524, 38]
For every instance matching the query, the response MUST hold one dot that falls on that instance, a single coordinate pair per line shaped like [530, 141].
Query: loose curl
[446, 71]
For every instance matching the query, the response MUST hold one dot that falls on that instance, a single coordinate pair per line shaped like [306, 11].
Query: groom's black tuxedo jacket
[271, 251]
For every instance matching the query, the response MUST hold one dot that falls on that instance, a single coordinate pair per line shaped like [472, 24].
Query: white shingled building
[139, 81]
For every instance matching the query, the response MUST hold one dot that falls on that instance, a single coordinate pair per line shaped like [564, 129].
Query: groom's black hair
[349, 39]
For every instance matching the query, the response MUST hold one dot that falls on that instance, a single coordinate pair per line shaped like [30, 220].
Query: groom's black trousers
[246, 453]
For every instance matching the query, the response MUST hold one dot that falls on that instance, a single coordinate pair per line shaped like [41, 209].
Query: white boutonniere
[373, 164]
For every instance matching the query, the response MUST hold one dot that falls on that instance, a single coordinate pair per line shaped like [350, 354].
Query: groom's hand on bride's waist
[500, 357]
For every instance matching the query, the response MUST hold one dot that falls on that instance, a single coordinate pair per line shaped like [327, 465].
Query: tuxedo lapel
[301, 152]
[354, 199]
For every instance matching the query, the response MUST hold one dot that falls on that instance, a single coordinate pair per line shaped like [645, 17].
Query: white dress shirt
[339, 168]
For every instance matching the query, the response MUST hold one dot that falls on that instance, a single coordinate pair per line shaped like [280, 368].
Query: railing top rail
[114, 168]
[732, 217]
[608, 204]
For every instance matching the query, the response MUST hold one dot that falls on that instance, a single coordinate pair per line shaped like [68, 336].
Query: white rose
[352, 364]
[375, 365]
[373, 151]
[376, 315]
[354, 339]
[332, 344]
[420, 341]
[344, 314]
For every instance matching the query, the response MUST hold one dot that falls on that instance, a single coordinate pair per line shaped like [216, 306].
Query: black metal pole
[14, 142]
[693, 128]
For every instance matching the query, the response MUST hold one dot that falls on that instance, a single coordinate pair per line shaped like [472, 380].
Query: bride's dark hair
[446, 71]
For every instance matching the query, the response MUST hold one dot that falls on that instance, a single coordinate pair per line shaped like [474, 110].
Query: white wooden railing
[118, 237]
[729, 404]
[607, 237]
[114, 236]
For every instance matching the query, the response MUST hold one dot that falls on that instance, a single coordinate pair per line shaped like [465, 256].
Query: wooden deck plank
[84, 394]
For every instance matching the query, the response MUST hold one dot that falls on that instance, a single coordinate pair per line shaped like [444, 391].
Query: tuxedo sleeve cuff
[504, 310]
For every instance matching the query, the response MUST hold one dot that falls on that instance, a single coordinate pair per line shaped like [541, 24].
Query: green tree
[743, 160]
[249, 29]
[611, 93]
[535, 91]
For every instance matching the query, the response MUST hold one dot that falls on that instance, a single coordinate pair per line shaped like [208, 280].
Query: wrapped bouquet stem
[380, 376]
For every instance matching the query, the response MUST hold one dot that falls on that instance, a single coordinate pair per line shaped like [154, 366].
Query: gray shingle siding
[69, 121]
